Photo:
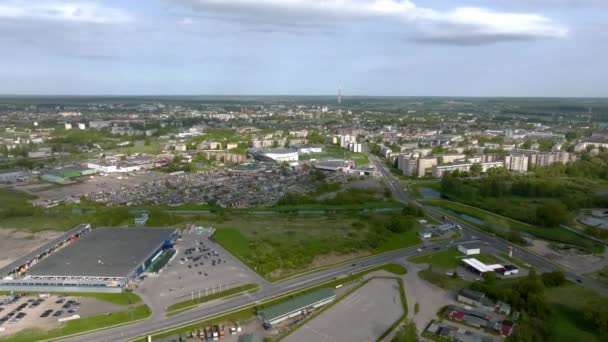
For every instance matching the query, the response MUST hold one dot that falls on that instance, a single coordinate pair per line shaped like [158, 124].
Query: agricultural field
[277, 246]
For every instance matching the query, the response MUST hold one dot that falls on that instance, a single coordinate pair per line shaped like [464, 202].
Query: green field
[278, 246]
[556, 234]
[82, 325]
[230, 292]
[442, 280]
[446, 259]
[567, 303]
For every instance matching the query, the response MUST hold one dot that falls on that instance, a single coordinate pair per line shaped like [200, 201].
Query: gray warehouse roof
[273, 312]
[104, 252]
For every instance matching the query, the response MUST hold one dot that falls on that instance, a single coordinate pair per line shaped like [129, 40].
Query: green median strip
[188, 304]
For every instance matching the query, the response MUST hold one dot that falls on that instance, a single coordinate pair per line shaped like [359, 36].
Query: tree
[476, 169]
[552, 213]
[553, 279]
[596, 311]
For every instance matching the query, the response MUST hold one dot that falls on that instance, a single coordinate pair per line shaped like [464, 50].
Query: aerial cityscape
[332, 171]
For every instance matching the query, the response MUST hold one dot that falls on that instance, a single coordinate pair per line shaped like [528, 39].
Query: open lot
[362, 316]
[277, 246]
[185, 278]
[16, 243]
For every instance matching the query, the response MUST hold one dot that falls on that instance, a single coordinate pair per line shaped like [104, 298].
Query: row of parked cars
[17, 314]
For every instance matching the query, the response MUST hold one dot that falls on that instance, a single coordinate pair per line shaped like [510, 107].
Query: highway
[270, 290]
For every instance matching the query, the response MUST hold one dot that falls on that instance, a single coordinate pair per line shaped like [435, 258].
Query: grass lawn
[81, 325]
[123, 298]
[569, 324]
[230, 292]
[442, 280]
[446, 259]
[278, 246]
[556, 234]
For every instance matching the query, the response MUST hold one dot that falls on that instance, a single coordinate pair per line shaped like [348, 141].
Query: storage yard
[362, 316]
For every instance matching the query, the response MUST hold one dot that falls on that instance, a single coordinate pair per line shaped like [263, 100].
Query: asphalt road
[269, 290]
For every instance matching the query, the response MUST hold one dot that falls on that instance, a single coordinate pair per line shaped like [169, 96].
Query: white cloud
[186, 21]
[460, 25]
[62, 11]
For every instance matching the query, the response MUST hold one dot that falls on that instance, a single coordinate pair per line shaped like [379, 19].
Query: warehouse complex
[88, 260]
[67, 175]
[294, 307]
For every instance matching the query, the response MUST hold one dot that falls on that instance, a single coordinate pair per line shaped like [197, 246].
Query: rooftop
[295, 304]
[104, 252]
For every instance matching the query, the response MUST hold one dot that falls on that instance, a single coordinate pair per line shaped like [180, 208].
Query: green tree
[552, 213]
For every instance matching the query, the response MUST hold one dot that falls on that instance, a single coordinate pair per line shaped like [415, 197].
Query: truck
[222, 334]
[208, 334]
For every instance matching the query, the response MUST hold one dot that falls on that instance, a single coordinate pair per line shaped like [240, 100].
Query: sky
[305, 47]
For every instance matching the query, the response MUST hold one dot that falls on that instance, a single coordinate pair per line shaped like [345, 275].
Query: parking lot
[362, 316]
[200, 267]
[19, 313]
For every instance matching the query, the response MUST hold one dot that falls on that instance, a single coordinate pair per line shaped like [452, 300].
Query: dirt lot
[88, 307]
[571, 259]
[362, 316]
[16, 243]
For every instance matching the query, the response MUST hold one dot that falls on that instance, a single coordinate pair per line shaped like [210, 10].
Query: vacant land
[281, 245]
[16, 243]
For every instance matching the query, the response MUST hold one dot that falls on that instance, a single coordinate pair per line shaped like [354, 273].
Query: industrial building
[469, 250]
[274, 154]
[88, 260]
[333, 165]
[296, 306]
[67, 174]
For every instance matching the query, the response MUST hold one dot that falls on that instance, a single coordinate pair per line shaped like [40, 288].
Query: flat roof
[104, 252]
[273, 312]
[480, 266]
